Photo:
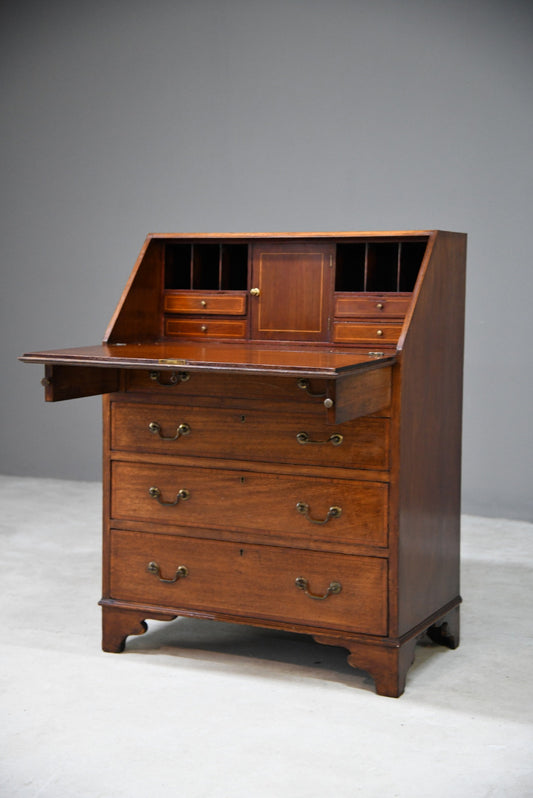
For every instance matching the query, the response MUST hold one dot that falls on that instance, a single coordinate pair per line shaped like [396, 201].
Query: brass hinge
[171, 361]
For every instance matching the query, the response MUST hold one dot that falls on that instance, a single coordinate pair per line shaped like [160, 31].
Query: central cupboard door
[291, 286]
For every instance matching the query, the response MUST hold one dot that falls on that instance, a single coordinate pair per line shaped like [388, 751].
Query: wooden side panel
[106, 492]
[431, 369]
[138, 314]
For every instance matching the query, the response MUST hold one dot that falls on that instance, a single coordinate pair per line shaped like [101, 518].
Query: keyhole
[243, 480]
[243, 419]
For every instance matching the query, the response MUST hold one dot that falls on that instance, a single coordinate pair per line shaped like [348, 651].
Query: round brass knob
[380, 305]
[204, 328]
[379, 332]
[203, 303]
[255, 291]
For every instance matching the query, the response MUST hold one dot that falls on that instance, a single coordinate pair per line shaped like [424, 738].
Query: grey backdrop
[122, 118]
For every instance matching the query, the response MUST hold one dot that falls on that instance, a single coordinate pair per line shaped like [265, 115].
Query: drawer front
[207, 328]
[351, 332]
[371, 306]
[221, 388]
[249, 435]
[250, 581]
[289, 506]
[206, 303]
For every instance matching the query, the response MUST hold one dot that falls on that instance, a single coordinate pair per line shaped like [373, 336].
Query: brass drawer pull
[182, 495]
[305, 385]
[333, 512]
[303, 584]
[181, 573]
[183, 429]
[335, 439]
[175, 378]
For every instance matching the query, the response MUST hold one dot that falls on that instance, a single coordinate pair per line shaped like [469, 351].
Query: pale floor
[202, 709]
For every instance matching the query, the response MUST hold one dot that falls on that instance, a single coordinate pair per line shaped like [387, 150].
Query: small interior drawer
[352, 332]
[250, 581]
[207, 328]
[205, 302]
[385, 306]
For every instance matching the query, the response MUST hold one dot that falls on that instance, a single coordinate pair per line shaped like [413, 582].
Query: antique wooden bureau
[282, 438]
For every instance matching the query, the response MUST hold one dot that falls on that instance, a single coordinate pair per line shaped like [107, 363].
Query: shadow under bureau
[282, 438]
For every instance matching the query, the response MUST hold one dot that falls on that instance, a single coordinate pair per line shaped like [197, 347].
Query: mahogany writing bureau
[282, 438]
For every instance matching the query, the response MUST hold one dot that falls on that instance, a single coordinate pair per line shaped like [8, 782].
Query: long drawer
[249, 435]
[298, 508]
[250, 581]
[221, 388]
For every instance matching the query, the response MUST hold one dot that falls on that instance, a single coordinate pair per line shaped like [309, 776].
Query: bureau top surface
[231, 358]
